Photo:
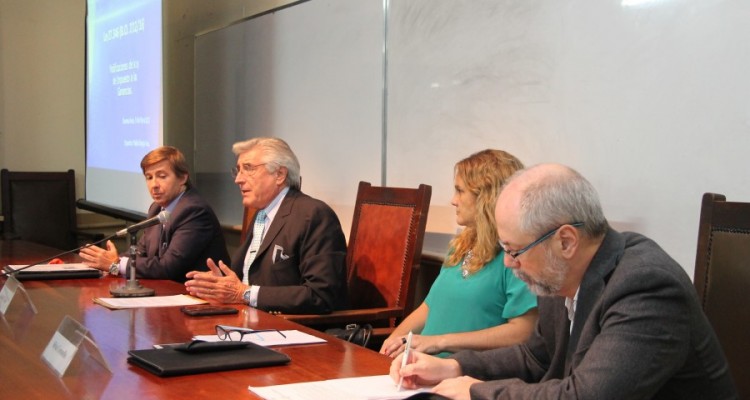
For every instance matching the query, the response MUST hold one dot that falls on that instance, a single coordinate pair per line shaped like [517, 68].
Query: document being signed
[379, 387]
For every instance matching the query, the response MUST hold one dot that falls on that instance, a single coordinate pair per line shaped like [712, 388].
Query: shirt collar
[273, 207]
[170, 207]
[571, 304]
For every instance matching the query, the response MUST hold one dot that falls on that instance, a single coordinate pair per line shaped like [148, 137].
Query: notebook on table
[54, 271]
[200, 357]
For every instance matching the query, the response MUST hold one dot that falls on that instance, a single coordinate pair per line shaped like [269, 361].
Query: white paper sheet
[379, 387]
[271, 338]
[151, 301]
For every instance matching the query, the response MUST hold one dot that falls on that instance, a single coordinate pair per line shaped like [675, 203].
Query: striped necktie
[252, 250]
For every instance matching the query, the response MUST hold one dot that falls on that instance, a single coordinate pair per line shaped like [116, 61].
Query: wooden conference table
[24, 335]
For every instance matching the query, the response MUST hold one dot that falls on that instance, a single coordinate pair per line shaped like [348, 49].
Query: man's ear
[569, 240]
[281, 174]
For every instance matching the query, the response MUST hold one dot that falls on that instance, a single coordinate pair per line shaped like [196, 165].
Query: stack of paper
[116, 303]
[271, 338]
[380, 387]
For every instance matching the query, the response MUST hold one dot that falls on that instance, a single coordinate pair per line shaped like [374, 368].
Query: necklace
[464, 263]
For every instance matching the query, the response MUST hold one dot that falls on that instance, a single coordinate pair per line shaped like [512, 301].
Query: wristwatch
[246, 296]
[114, 269]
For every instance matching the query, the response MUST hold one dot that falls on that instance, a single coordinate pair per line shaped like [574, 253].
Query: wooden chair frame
[375, 201]
[722, 279]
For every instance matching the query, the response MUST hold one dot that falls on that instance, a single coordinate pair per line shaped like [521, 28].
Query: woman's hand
[395, 345]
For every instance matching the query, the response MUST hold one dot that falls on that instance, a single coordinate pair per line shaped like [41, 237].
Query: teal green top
[486, 298]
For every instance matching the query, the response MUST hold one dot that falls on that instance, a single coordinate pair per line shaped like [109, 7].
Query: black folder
[26, 275]
[198, 358]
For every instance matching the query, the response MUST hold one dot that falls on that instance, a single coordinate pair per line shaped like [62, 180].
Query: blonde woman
[475, 302]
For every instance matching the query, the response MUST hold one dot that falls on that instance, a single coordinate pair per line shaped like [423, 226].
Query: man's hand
[423, 370]
[456, 388]
[220, 284]
[97, 257]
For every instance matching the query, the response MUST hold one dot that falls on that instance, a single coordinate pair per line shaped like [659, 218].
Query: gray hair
[276, 153]
[562, 198]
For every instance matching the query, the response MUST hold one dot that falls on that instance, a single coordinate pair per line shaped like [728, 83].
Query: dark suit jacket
[301, 264]
[192, 235]
[638, 333]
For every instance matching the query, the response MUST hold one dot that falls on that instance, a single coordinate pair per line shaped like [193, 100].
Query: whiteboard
[311, 74]
[650, 100]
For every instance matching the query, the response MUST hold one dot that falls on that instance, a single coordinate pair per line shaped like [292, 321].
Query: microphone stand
[132, 288]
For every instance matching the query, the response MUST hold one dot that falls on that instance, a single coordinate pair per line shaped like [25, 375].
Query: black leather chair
[722, 279]
[40, 207]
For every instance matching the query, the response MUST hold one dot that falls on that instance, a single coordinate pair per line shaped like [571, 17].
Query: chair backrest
[385, 245]
[722, 279]
[39, 207]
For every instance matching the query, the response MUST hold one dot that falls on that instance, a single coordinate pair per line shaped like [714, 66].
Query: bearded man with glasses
[618, 317]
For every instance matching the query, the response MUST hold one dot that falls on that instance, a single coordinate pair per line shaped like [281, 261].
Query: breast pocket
[286, 272]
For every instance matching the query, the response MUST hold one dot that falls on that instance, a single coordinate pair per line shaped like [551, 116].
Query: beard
[551, 278]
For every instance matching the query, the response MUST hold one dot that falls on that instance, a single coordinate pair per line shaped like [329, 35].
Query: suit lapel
[152, 233]
[592, 286]
[279, 220]
[184, 200]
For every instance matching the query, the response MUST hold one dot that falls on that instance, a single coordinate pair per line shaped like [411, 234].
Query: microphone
[8, 271]
[161, 218]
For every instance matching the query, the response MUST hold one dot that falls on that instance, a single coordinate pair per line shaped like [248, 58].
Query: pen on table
[405, 358]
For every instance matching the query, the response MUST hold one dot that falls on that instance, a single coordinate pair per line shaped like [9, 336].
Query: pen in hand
[405, 358]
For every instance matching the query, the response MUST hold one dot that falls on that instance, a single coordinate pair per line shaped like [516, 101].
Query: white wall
[41, 85]
[647, 99]
[650, 100]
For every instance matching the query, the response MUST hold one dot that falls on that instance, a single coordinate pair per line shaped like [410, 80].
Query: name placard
[12, 285]
[59, 353]
[65, 343]
[7, 293]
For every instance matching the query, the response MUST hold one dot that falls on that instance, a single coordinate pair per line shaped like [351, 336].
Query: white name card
[59, 353]
[12, 285]
[7, 293]
[65, 343]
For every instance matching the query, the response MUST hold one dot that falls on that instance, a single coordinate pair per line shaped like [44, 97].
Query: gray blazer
[638, 333]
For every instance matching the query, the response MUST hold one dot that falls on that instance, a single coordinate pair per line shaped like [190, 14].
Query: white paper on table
[270, 338]
[150, 301]
[379, 387]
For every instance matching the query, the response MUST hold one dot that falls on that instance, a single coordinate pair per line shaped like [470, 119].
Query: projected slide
[124, 97]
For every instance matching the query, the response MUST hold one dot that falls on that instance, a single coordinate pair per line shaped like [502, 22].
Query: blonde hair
[484, 173]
